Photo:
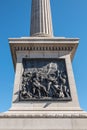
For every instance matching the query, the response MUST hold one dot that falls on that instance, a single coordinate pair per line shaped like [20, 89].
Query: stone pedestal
[43, 115]
[44, 48]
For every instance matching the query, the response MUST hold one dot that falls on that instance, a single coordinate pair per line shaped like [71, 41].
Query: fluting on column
[41, 21]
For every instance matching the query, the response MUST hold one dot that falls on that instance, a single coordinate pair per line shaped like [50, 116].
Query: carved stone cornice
[43, 44]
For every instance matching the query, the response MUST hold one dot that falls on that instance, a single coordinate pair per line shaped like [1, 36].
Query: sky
[69, 20]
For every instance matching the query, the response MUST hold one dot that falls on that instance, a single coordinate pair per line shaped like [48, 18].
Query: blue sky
[69, 20]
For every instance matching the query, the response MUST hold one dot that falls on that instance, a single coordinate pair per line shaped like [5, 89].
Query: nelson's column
[44, 96]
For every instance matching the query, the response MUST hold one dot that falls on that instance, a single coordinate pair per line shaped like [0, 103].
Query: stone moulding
[67, 115]
[42, 48]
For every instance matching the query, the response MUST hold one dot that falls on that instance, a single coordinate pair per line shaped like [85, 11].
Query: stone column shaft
[41, 21]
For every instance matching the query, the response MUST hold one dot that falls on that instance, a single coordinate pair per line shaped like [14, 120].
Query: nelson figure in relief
[48, 82]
